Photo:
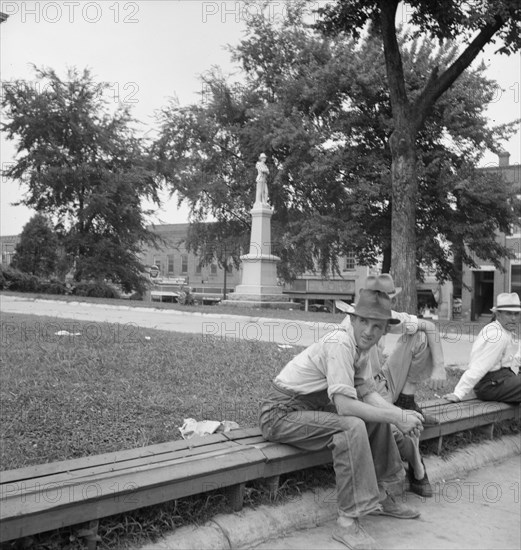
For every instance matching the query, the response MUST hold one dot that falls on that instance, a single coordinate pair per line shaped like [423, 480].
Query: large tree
[475, 24]
[82, 165]
[320, 108]
[38, 250]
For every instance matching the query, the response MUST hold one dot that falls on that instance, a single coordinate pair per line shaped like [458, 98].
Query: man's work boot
[422, 486]
[348, 531]
[406, 401]
[391, 507]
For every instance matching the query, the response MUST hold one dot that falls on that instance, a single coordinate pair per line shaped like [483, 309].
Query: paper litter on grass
[192, 427]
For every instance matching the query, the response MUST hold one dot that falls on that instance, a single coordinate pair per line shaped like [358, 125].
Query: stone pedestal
[259, 286]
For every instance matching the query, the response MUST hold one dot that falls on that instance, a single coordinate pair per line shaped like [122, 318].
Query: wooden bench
[45, 497]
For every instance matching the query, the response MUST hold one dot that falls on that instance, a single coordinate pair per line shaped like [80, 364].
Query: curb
[248, 528]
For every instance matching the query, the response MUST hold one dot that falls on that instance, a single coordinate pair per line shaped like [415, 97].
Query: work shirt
[333, 363]
[495, 348]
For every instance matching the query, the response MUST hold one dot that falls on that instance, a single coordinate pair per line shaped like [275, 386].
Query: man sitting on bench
[356, 426]
[417, 357]
[495, 358]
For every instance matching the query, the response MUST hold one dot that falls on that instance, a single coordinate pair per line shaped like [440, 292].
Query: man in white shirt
[325, 397]
[418, 356]
[495, 358]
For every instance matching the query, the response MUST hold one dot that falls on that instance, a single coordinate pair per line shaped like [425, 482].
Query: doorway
[483, 295]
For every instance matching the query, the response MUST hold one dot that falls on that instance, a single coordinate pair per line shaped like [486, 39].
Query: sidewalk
[456, 343]
[476, 505]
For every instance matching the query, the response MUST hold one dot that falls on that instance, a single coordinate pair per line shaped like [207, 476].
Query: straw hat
[507, 302]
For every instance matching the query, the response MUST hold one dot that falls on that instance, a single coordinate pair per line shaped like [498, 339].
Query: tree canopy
[475, 24]
[83, 167]
[320, 108]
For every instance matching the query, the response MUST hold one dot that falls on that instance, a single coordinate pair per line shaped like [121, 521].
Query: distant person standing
[495, 359]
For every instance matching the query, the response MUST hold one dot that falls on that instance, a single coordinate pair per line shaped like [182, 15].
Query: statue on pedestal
[261, 195]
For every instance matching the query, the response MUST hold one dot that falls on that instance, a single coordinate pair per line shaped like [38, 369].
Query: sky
[150, 51]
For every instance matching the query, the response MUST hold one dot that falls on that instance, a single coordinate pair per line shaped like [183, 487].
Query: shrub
[95, 289]
[53, 287]
[12, 279]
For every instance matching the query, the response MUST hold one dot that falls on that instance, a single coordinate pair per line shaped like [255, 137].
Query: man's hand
[451, 397]
[410, 423]
[438, 379]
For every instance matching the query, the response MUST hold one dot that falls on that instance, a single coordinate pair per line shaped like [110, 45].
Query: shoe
[350, 533]
[422, 486]
[406, 401]
[391, 507]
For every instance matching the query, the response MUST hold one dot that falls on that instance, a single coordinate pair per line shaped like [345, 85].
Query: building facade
[174, 263]
[482, 284]
[7, 248]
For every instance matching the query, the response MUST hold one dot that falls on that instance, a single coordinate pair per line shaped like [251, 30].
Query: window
[350, 261]
[197, 268]
[213, 269]
[158, 263]
[171, 263]
[184, 263]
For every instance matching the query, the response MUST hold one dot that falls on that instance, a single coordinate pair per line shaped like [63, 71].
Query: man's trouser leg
[500, 385]
[410, 361]
[364, 455]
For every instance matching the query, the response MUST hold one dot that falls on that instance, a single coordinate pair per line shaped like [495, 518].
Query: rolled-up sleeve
[340, 370]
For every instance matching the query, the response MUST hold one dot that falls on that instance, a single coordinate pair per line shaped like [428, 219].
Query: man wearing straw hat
[325, 397]
[495, 358]
[418, 356]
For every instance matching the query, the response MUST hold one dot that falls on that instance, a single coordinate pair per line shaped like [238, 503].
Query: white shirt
[333, 363]
[494, 348]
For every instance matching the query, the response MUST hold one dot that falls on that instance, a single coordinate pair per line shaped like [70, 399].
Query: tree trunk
[403, 225]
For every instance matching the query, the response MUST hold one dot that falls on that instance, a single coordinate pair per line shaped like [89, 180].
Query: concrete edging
[251, 527]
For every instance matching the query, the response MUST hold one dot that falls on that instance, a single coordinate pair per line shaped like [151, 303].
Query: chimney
[503, 157]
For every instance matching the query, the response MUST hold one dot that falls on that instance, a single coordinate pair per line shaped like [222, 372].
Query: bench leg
[273, 486]
[487, 430]
[440, 443]
[90, 534]
[235, 495]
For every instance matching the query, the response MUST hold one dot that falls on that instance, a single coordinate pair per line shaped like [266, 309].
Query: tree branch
[393, 59]
[437, 85]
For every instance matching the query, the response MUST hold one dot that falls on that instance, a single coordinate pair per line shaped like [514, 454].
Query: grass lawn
[106, 388]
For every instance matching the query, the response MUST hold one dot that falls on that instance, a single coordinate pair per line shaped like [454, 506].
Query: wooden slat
[93, 475]
[20, 519]
[242, 433]
[75, 464]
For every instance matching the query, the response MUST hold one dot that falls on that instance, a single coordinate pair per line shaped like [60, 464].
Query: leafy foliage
[37, 251]
[83, 167]
[320, 107]
[476, 24]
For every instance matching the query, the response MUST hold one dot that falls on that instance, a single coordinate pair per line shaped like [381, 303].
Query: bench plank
[79, 502]
[74, 464]
[92, 475]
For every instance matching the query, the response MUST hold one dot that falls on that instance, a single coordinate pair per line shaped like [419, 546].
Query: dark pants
[365, 456]
[500, 385]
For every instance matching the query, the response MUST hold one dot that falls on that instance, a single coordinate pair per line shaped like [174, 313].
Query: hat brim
[390, 320]
[506, 308]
